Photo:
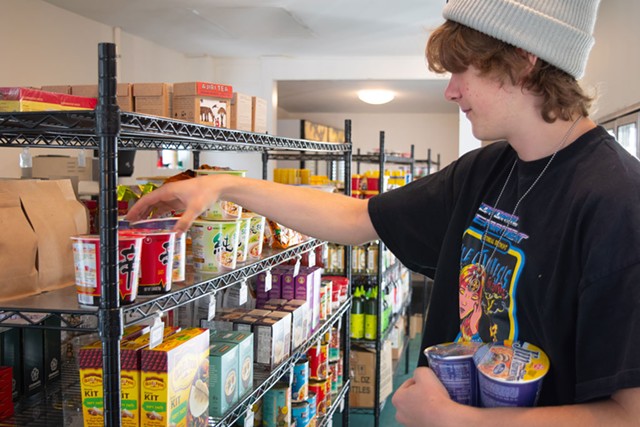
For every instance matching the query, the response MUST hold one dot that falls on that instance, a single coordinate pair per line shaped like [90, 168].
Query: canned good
[276, 406]
[313, 409]
[319, 388]
[334, 344]
[300, 413]
[318, 361]
[300, 382]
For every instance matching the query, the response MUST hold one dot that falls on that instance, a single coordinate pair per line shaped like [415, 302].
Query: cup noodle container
[221, 210]
[256, 234]
[86, 258]
[214, 245]
[244, 227]
[156, 260]
[179, 265]
[510, 373]
[453, 364]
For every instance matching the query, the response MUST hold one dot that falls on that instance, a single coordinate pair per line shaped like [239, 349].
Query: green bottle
[357, 315]
[371, 314]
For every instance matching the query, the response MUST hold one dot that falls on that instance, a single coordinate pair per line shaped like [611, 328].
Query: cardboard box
[124, 94]
[363, 367]
[124, 97]
[241, 112]
[26, 99]
[202, 103]
[258, 115]
[60, 167]
[244, 341]
[175, 378]
[223, 377]
[153, 98]
[88, 91]
[398, 337]
[415, 326]
[66, 89]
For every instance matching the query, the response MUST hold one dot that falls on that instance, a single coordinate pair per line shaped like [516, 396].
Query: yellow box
[175, 379]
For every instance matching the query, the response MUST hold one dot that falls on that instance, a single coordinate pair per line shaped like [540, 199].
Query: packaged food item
[86, 257]
[244, 225]
[178, 270]
[510, 373]
[276, 406]
[214, 245]
[175, 378]
[156, 260]
[453, 364]
[223, 377]
[280, 237]
[300, 381]
[256, 234]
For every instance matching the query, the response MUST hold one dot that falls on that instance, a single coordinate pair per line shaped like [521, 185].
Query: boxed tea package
[244, 340]
[175, 379]
[203, 103]
[223, 377]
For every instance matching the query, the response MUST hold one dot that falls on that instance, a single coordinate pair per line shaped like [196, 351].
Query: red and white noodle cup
[86, 258]
[156, 260]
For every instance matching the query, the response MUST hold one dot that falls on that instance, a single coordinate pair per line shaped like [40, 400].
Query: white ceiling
[290, 28]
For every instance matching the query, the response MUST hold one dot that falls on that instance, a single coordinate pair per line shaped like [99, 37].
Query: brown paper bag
[18, 248]
[55, 215]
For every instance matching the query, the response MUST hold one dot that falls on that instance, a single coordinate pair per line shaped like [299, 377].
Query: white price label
[243, 294]
[296, 268]
[156, 332]
[267, 281]
[249, 418]
[211, 312]
[312, 257]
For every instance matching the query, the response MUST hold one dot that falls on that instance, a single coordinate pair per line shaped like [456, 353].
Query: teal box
[223, 377]
[244, 340]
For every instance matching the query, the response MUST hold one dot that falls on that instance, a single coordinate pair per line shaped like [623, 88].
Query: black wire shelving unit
[108, 131]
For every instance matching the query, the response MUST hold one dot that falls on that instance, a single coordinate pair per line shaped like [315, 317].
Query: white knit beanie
[557, 31]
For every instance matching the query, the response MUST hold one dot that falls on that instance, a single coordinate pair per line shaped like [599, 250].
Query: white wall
[614, 64]
[61, 48]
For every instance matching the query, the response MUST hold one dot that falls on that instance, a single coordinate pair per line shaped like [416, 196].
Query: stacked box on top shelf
[203, 103]
[241, 112]
[153, 98]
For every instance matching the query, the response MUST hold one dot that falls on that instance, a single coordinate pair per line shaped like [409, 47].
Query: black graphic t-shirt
[562, 273]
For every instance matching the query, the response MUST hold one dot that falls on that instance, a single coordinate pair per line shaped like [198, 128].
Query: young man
[543, 227]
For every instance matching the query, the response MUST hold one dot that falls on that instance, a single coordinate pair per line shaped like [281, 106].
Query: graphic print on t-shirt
[489, 275]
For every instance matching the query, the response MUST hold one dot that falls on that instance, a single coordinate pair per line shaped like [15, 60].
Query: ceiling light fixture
[376, 96]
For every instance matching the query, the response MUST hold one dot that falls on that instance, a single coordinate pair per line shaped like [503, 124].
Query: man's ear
[531, 58]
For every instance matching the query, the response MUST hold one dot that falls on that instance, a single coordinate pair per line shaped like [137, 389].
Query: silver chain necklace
[480, 268]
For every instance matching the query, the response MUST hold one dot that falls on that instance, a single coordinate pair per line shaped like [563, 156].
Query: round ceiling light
[376, 96]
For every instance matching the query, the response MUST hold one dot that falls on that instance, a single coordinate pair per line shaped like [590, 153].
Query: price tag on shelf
[267, 280]
[296, 267]
[156, 332]
[312, 257]
[244, 293]
[249, 418]
[211, 312]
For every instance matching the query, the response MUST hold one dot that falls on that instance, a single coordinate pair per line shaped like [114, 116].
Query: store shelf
[336, 404]
[375, 158]
[63, 303]
[265, 380]
[76, 129]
